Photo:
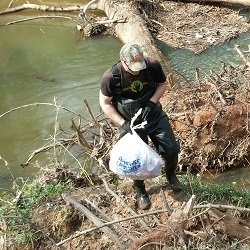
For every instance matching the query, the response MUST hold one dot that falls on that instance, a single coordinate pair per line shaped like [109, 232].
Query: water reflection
[36, 67]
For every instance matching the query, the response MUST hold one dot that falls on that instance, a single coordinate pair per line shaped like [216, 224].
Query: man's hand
[126, 126]
[148, 111]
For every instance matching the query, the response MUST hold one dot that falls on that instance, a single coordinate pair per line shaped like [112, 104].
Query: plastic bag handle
[138, 126]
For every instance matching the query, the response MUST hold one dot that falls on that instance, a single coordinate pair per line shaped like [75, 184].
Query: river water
[46, 59]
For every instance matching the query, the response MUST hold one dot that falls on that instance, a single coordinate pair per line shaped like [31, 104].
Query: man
[138, 82]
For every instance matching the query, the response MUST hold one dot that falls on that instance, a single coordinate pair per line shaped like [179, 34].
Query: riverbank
[61, 209]
[195, 26]
[61, 206]
[65, 208]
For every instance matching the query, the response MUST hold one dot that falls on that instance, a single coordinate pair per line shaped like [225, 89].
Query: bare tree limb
[108, 224]
[42, 103]
[40, 17]
[92, 217]
[27, 6]
[241, 209]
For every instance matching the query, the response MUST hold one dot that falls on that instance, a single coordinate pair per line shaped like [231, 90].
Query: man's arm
[159, 92]
[109, 109]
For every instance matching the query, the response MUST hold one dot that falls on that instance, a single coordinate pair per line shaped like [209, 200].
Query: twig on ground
[108, 224]
[209, 205]
[92, 217]
[169, 209]
[118, 198]
[109, 219]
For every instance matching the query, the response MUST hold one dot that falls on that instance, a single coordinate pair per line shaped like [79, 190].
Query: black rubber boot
[142, 198]
[171, 165]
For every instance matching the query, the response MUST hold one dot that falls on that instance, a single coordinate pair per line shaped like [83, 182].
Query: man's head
[132, 56]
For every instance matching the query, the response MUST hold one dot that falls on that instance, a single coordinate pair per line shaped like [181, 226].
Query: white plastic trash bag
[131, 157]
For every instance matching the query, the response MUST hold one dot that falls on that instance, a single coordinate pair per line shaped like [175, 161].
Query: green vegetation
[216, 193]
[16, 214]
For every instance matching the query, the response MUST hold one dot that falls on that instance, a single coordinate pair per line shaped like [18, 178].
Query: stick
[86, 7]
[80, 137]
[111, 21]
[42, 103]
[93, 117]
[136, 217]
[209, 205]
[92, 217]
[199, 214]
[218, 92]
[189, 206]
[39, 17]
[118, 198]
[238, 50]
[169, 209]
[44, 8]
[108, 219]
[110, 223]
[46, 148]
[10, 4]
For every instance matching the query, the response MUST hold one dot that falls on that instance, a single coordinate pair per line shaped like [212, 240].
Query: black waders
[142, 198]
[171, 165]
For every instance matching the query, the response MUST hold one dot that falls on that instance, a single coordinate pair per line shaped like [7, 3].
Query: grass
[216, 192]
[17, 216]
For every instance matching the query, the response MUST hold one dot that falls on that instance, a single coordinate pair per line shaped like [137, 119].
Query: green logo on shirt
[135, 86]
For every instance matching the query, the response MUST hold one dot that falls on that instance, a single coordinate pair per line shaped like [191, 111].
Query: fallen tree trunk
[132, 31]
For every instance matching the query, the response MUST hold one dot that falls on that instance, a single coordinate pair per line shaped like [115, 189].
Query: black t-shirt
[134, 86]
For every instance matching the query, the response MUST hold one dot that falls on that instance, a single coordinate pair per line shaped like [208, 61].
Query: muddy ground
[205, 228]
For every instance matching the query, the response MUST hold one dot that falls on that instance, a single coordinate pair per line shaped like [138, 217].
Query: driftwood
[230, 225]
[173, 229]
[27, 6]
[92, 217]
[134, 30]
